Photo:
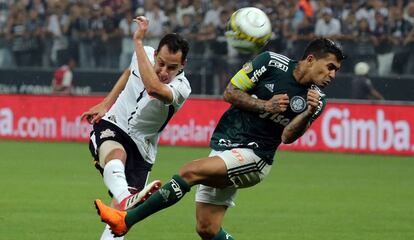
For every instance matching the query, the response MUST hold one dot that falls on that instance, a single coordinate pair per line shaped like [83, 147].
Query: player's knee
[116, 153]
[207, 230]
[189, 173]
[111, 150]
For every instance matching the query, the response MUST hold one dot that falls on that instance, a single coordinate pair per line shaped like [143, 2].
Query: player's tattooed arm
[239, 98]
[298, 126]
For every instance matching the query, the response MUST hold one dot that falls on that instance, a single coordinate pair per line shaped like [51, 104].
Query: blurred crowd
[97, 34]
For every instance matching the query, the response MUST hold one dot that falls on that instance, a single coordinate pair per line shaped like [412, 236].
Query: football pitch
[47, 192]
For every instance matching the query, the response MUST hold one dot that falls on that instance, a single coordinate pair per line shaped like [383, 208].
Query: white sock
[107, 235]
[115, 180]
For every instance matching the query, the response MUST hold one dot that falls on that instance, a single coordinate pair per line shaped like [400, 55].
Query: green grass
[47, 192]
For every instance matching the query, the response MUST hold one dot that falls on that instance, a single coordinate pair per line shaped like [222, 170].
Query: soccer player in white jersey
[124, 138]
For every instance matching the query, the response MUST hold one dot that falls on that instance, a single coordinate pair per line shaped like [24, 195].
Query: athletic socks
[167, 195]
[223, 235]
[115, 180]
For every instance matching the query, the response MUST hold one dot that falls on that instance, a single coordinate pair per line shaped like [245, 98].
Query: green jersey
[267, 75]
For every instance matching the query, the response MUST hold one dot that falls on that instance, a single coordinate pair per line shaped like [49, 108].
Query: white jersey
[141, 116]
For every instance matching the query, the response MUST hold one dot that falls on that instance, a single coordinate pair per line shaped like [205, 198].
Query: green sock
[223, 235]
[167, 195]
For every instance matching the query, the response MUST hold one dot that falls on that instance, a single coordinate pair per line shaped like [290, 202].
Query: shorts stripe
[244, 171]
[261, 165]
[251, 167]
[239, 168]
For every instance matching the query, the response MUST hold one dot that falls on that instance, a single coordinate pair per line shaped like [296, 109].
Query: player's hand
[95, 113]
[142, 28]
[313, 99]
[277, 104]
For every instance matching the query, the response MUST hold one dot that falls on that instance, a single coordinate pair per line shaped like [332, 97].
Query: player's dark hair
[321, 47]
[175, 43]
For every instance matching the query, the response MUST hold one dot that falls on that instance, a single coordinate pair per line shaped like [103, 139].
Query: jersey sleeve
[247, 77]
[180, 87]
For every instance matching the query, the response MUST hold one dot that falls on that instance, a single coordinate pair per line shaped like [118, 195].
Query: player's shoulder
[150, 54]
[273, 60]
[182, 81]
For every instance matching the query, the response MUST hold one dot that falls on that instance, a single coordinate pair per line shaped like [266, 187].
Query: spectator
[363, 48]
[157, 18]
[111, 39]
[219, 48]
[383, 44]
[213, 14]
[304, 33]
[328, 26]
[95, 32]
[62, 78]
[58, 24]
[128, 28]
[362, 87]
[84, 26]
[18, 35]
[184, 7]
[34, 28]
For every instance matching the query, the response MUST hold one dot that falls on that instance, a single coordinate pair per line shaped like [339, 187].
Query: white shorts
[244, 168]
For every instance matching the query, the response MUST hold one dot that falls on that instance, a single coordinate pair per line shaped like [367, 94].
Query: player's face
[167, 64]
[323, 70]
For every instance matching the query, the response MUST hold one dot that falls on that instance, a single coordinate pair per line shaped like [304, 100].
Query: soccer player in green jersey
[273, 100]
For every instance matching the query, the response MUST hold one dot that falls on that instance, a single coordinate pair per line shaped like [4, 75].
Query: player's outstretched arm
[152, 83]
[95, 113]
[239, 98]
[298, 126]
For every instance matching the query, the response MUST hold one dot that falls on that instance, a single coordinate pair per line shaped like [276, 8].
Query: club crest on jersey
[248, 67]
[298, 104]
[107, 133]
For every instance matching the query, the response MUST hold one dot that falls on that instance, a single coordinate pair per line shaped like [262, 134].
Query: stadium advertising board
[343, 127]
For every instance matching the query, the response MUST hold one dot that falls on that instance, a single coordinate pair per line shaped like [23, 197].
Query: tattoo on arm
[296, 128]
[243, 100]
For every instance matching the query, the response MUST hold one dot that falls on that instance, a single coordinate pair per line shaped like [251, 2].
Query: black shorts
[136, 168]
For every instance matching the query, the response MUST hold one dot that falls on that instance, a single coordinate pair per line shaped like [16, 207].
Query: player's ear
[310, 59]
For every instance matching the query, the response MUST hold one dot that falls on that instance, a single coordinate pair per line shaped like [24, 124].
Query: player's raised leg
[211, 171]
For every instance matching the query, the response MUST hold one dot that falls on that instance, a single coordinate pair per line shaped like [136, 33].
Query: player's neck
[301, 76]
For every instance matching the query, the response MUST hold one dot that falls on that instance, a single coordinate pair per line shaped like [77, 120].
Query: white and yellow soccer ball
[248, 30]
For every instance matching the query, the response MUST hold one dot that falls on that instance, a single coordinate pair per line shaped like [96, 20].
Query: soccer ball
[248, 30]
[361, 68]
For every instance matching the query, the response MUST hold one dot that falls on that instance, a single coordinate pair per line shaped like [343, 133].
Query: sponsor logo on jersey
[279, 61]
[248, 67]
[257, 73]
[107, 133]
[298, 104]
[270, 86]
[277, 64]
[276, 118]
